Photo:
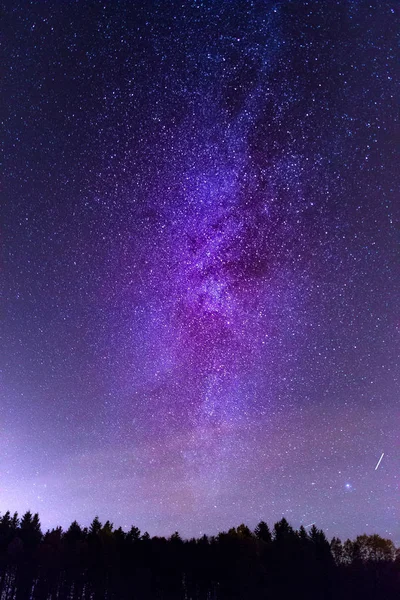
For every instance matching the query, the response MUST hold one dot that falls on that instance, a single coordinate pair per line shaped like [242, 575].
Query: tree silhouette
[263, 533]
[100, 562]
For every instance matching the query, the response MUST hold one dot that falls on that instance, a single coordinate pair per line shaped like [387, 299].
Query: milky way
[201, 268]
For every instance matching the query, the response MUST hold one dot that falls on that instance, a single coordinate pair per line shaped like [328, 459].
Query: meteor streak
[379, 461]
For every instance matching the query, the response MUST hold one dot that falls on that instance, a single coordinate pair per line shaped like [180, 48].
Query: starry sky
[201, 264]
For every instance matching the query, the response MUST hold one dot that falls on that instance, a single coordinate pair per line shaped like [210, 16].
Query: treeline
[101, 562]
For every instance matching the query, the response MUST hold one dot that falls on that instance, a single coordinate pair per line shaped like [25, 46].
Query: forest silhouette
[100, 562]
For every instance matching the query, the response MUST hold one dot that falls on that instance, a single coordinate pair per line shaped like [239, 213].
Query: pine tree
[95, 526]
[262, 532]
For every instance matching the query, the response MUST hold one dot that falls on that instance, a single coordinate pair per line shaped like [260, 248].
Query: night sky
[201, 264]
